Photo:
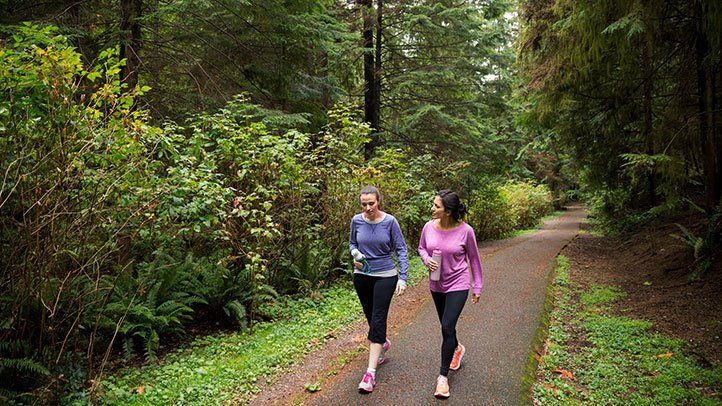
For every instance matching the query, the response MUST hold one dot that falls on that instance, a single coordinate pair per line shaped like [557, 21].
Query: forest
[176, 165]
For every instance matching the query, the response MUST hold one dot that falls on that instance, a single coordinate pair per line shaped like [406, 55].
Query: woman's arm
[425, 257]
[472, 253]
[352, 245]
[397, 239]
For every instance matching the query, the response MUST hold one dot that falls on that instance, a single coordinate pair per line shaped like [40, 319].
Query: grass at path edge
[590, 356]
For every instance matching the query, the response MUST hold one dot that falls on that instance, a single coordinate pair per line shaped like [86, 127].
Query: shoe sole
[364, 391]
[441, 395]
[463, 351]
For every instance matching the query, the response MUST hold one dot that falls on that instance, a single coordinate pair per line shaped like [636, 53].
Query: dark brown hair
[371, 190]
[452, 204]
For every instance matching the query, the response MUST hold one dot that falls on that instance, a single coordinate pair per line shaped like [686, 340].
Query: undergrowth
[226, 368]
[594, 357]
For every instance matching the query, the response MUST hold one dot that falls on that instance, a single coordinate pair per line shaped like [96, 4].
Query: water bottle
[359, 257]
[436, 275]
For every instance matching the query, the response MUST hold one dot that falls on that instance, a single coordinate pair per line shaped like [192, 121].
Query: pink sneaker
[382, 357]
[367, 384]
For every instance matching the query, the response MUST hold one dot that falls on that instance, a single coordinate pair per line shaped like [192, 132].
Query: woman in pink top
[455, 239]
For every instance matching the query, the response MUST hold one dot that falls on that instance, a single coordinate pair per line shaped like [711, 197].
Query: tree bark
[648, 117]
[707, 124]
[376, 119]
[371, 94]
[130, 12]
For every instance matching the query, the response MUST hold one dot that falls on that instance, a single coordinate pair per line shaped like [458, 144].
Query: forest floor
[653, 268]
[631, 322]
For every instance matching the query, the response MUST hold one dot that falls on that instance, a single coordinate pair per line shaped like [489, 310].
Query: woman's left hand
[475, 298]
[400, 287]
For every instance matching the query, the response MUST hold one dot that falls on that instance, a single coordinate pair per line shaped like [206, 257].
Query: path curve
[498, 332]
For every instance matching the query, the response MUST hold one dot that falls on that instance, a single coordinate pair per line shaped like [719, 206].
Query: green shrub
[490, 213]
[497, 210]
[70, 152]
[527, 202]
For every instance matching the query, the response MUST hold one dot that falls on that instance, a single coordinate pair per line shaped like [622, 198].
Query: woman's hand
[432, 265]
[357, 264]
[475, 298]
[400, 287]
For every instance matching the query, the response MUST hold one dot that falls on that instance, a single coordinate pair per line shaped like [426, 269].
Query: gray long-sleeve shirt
[378, 241]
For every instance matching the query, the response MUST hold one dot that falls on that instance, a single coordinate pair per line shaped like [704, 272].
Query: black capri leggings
[449, 306]
[375, 296]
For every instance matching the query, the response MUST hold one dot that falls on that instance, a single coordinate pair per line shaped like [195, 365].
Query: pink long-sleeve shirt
[459, 252]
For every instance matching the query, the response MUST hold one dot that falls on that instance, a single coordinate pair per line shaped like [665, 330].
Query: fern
[154, 303]
[691, 240]
[24, 366]
[704, 245]
[18, 368]
[236, 310]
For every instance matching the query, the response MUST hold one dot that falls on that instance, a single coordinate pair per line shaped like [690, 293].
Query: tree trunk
[707, 104]
[130, 11]
[376, 119]
[648, 117]
[707, 125]
[370, 87]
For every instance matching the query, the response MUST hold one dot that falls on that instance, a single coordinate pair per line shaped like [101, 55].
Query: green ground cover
[594, 357]
[225, 368]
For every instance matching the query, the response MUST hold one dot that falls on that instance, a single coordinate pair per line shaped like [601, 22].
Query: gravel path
[498, 332]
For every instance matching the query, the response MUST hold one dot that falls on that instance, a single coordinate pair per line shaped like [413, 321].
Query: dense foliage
[630, 89]
[120, 230]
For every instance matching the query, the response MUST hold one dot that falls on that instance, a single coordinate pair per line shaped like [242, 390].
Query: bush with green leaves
[496, 210]
[70, 152]
[527, 202]
[489, 212]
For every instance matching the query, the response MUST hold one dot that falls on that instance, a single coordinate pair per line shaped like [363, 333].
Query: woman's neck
[447, 223]
[379, 215]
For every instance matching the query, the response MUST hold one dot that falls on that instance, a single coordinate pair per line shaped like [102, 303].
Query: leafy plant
[704, 245]
[153, 303]
[19, 369]
[310, 266]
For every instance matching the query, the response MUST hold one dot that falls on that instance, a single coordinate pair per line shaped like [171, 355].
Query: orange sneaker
[458, 355]
[442, 387]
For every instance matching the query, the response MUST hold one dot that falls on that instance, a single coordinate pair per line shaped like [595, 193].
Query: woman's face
[437, 209]
[370, 205]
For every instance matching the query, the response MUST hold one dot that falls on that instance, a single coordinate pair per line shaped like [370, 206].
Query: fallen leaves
[550, 387]
[565, 374]
[666, 355]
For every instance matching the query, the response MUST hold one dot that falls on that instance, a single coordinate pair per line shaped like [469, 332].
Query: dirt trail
[498, 333]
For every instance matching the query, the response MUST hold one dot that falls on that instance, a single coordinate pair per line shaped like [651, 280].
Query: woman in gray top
[376, 236]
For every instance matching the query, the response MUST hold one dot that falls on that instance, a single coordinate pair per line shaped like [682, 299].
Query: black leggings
[449, 306]
[375, 296]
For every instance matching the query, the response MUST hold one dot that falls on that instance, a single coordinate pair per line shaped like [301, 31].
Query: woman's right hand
[432, 265]
[357, 264]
